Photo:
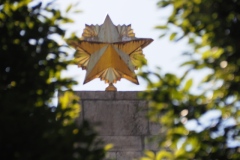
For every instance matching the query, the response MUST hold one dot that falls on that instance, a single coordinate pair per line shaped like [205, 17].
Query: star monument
[109, 52]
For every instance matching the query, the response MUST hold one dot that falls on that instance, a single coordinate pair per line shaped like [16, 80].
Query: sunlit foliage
[206, 125]
[30, 66]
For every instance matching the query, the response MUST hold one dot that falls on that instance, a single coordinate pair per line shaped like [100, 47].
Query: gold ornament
[109, 52]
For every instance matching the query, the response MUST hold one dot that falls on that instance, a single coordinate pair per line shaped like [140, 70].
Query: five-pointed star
[105, 52]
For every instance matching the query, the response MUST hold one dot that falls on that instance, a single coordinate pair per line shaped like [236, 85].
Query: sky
[144, 16]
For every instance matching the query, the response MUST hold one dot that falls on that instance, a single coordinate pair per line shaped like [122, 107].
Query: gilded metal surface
[109, 52]
[111, 87]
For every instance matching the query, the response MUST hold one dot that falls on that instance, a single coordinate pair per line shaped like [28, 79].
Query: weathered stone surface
[111, 156]
[128, 155]
[122, 122]
[117, 117]
[130, 95]
[124, 143]
[154, 128]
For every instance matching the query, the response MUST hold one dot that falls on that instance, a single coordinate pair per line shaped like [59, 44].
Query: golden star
[109, 52]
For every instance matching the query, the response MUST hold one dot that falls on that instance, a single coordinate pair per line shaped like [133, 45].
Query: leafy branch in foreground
[206, 125]
[31, 64]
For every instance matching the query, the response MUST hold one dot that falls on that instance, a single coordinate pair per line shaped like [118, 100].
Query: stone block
[122, 122]
[123, 143]
[117, 117]
[128, 155]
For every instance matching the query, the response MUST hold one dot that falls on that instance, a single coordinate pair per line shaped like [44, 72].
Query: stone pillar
[122, 119]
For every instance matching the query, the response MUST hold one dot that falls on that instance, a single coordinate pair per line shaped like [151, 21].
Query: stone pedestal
[122, 121]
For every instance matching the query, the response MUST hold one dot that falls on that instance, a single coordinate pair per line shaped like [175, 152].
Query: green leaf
[191, 63]
[206, 54]
[161, 35]
[149, 154]
[200, 66]
[191, 40]
[145, 158]
[161, 27]
[164, 155]
[68, 8]
[188, 85]
[172, 36]
[108, 147]
[77, 11]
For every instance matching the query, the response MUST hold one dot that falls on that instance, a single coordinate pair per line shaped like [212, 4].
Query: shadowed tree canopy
[205, 125]
[30, 65]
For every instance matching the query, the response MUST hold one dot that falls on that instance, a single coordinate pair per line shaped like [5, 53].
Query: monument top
[109, 52]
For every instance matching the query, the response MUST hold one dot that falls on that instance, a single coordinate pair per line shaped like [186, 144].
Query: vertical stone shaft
[123, 122]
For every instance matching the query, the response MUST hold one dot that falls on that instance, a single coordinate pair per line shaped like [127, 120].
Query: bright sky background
[143, 15]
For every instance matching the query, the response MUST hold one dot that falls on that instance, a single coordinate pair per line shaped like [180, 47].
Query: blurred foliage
[30, 66]
[193, 128]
